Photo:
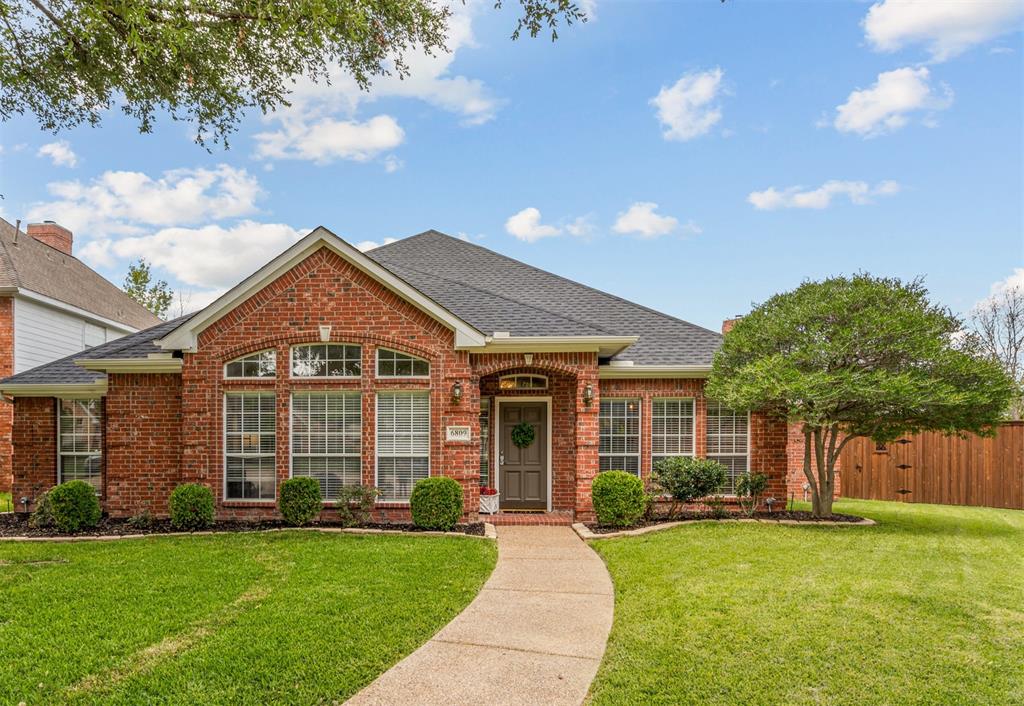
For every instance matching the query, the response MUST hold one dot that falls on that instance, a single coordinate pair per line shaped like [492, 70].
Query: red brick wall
[34, 440]
[6, 408]
[143, 443]
[324, 289]
[767, 434]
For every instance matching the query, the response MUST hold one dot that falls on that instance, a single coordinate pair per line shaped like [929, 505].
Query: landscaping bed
[17, 525]
[692, 516]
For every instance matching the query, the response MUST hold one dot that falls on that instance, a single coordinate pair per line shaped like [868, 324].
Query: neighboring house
[418, 358]
[52, 305]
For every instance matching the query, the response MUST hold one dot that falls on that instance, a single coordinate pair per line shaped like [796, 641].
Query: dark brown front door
[524, 471]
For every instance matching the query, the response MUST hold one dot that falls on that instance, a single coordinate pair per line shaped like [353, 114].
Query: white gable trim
[186, 336]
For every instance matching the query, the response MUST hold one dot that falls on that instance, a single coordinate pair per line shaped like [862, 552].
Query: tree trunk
[809, 472]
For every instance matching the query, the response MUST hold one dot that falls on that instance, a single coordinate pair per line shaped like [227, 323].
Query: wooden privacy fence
[932, 468]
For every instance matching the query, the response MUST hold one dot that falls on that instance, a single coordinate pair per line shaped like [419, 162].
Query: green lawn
[290, 617]
[926, 608]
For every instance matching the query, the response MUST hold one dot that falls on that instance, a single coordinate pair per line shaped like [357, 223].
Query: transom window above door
[254, 365]
[327, 360]
[392, 364]
[522, 382]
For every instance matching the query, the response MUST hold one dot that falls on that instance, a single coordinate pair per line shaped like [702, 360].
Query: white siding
[43, 334]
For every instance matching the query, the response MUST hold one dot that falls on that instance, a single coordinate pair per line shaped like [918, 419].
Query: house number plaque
[457, 434]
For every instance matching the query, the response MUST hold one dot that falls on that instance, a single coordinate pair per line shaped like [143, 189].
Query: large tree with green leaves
[208, 61]
[140, 286]
[856, 357]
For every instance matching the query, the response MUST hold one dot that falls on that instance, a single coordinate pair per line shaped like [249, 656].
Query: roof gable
[28, 264]
[185, 337]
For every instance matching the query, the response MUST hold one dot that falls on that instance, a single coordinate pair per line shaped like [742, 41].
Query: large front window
[250, 445]
[619, 442]
[80, 441]
[403, 442]
[326, 439]
[671, 428]
[728, 441]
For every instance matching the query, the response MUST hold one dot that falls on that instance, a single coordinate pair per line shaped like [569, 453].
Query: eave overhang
[604, 346]
[632, 372]
[97, 388]
[153, 364]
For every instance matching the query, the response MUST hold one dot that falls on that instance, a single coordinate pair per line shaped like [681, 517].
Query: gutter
[625, 370]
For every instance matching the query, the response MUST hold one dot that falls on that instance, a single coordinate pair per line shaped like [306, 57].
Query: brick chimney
[729, 323]
[54, 235]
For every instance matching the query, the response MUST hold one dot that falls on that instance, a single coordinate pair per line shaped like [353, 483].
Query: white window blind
[403, 442]
[326, 360]
[250, 445]
[619, 441]
[671, 428]
[392, 364]
[255, 365]
[728, 441]
[327, 439]
[80, 441]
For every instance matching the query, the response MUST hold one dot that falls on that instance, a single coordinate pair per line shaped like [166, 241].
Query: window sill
[248, 503]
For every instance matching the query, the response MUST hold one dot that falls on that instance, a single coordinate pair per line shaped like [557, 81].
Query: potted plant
[488, 500]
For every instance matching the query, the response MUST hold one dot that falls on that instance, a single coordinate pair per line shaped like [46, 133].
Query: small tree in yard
[998, 325]
[139, 285]
[858, 357]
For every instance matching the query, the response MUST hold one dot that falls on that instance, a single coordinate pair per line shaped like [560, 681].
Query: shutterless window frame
[639, 435]
[244, 358]
[272, 455]
[399, 356]
[328, 360]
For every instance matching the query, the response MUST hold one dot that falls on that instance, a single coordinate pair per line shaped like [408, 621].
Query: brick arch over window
[431, 354]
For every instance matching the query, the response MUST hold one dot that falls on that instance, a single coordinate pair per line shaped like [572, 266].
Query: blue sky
[694, 157]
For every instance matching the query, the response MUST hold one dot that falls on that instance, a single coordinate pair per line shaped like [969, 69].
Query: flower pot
[489, 504]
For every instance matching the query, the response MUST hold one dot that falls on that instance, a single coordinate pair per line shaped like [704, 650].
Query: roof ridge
[551, 274]
[506, 298]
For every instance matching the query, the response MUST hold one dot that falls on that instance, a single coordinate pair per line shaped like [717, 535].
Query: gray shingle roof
[496, 293]
[27, 263]
[64, 370]
[487, 290]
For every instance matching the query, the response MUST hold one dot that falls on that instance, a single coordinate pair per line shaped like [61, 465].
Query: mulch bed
[16, 525]
[793, 515]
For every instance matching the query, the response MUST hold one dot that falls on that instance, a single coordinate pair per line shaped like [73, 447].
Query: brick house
[52, 305]
[418, 358]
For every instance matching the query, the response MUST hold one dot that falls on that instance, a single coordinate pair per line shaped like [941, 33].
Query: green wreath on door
[523, 434]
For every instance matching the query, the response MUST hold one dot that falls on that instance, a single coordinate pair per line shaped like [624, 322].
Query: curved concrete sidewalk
[534, 635]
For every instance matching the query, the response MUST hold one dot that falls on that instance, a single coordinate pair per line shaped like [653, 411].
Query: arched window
[522, 382]
[253, 365]
[327, 360]
[392, 364]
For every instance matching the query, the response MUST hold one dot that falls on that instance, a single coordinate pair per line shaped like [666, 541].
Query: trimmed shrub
[191, 507]
[355, 503]
[299, 500]
[74, 506]
[618, 497]
[686, 478]
[436, 503]
[42, 516]
[749, 489]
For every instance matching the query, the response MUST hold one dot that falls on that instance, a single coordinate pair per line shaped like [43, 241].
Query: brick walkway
[534, 635]
[556, 518]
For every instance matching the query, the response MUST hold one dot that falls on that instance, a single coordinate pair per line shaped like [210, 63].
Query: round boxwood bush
[191, 507]
[299, 500]
[618, 498]
[74, 506]
[436, 503]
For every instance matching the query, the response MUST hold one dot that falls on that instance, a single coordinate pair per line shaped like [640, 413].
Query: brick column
[587, 439]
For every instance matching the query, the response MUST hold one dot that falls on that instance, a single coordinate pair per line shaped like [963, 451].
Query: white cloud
[392, 164]
[887, 105]
[364, 245]
[641, 219]
[1012, 281]
[526, 226]
[859, 193]
[946, 27]
[60, 153]
[589, 8]
[320, 112]
[211, 257]
[126, 202]
[580, 227]
[327, 139]
[688, 109]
